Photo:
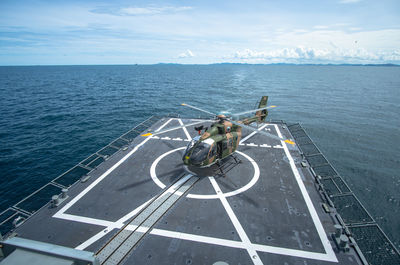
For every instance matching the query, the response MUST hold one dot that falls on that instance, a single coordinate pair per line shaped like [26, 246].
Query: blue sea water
[52, 117]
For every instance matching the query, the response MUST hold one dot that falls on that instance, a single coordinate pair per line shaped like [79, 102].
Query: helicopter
[223, 137]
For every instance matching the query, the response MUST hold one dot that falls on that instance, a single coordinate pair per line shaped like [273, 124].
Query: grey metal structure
[350, 213]
[137, 204]
[18, 251]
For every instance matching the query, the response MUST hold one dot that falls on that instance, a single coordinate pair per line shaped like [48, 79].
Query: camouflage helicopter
[222, 138]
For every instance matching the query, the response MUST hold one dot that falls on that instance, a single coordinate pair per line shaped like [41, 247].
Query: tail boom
[260, 115]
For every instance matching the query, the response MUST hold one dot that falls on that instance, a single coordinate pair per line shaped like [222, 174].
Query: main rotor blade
[262, 132]
[172, 129]
[254, 110]
[196, 108]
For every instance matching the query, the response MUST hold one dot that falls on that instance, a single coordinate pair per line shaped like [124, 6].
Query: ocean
[52, 117]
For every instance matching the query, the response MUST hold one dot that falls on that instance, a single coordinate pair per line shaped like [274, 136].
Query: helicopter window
[224, 145]
[192, 143]
[200, 153]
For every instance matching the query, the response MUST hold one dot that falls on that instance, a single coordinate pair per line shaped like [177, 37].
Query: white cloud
[150, 33]
[349, 1]
[300, 30]
[342, 24]
[140, 11]
[375, 41]
[286, 53]
[321, 27]
[137, 11]
[314, 55]
[186, 54]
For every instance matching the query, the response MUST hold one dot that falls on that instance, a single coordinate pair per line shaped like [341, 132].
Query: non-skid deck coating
[266, 211]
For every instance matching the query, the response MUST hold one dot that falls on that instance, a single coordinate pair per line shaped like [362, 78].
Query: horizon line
[188, 64]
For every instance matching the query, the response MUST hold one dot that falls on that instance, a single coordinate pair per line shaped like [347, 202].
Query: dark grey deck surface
[274, 221]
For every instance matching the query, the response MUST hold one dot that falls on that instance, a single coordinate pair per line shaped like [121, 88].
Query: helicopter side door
[224, 149]
[213, 154]
[229, 140]
[236, 139]
[219, 149]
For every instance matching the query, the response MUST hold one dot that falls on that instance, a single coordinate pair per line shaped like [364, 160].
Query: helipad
[267, 210]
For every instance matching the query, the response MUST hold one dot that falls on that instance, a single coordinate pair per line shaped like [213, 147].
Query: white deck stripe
[109, 227]
[330, 256]
[242, 144]
[87, 220]
[118, 224]
[154, 165]
[133, 213]
[293, 252]
[176, 128]
[93, 239]
[200, 239]
[310, 205]
[242, 234]
[253, 133]
[105, 174]
[185, 130]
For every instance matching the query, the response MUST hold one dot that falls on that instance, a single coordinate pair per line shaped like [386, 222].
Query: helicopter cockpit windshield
[200, 153]
[192, 143]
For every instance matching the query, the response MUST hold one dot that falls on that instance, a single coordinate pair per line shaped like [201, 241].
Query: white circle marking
[253, 181]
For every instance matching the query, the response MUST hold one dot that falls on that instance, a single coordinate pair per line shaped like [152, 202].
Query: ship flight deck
[142, 206]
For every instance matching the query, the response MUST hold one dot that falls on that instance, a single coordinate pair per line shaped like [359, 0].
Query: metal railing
[358, 224]
[15, 215]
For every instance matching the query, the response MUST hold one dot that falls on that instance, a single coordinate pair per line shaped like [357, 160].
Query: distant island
[316, 64]
[135, 64]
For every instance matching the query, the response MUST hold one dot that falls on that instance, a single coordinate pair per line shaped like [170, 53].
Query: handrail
[329, 197]
[145, 124]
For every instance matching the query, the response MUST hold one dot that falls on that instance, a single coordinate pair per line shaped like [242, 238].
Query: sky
[199, 32]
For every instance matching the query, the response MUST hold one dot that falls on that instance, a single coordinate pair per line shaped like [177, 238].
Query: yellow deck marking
[289, 142]
[147, 134]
